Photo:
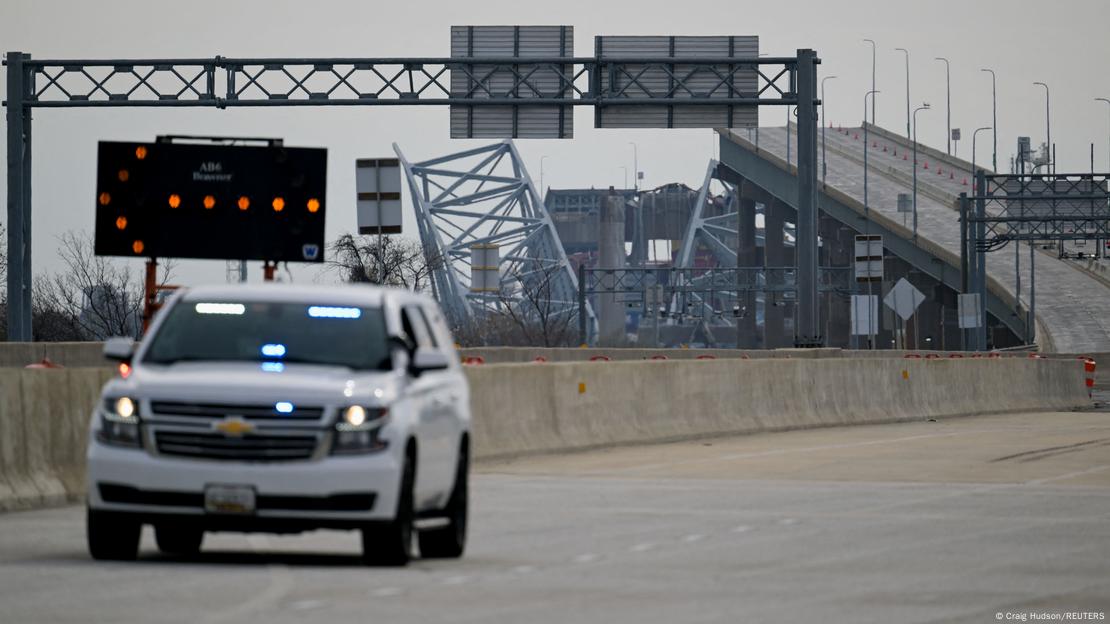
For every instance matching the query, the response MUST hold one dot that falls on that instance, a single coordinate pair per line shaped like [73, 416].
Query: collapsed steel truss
[484, 196]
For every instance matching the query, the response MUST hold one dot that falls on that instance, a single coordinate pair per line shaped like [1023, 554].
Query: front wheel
[112, 536]
[449, 542]
[390, 544]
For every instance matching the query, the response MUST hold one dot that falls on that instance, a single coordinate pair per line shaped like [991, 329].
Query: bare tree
[92, 298]
[536, 315]
[396, 261]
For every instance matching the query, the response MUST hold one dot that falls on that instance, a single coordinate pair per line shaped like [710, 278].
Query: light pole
[867, 213]
[973, 136]
[872, 42]
[924, 106]
[542, 158]
[1048, 130]
[948, 91]
[1108, 136]
[824, 159]
[635, 168]
[908, 131]
[866, 209]
[994, 118]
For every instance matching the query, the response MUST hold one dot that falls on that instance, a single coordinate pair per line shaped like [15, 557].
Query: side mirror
[119, 349]
[425, 359]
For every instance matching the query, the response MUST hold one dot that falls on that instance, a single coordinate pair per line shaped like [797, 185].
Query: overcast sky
[1024, 41]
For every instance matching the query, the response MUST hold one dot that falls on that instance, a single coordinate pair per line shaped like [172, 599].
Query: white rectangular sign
[865, 315]
[378, 185]
[969, 310]
[869, 258]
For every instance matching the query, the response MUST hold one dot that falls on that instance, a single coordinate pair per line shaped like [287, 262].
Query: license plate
[229, 499]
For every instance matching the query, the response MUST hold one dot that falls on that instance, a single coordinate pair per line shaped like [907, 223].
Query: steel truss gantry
[1027, 207]
[484, 196]
[220, 82]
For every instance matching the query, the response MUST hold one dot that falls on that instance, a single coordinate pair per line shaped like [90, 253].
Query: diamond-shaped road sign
[903, 299]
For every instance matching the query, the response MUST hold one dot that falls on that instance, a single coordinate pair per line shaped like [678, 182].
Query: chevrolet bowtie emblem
[233, 426]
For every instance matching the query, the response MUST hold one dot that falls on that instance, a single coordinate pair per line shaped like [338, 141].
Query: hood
[248, 383]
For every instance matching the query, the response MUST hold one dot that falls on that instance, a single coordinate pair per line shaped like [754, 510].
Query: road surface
[956, 520]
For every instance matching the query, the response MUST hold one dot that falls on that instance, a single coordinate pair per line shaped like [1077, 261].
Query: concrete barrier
[559, 407]
[44, 419]
[537, 408]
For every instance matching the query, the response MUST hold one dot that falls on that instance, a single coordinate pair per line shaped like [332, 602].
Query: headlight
[359, 430]
[119, 423]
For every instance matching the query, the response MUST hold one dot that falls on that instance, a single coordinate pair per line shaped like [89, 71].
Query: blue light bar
[274, 350]
[283, 407]
[334, 312]
[272, 367]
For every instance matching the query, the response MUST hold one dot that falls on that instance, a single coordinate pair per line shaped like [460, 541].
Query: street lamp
[872, 42]
[924, 106]
[948, 90]
[973, 135]
[635, 168]
[908, 132]
[542, 158]
[994, 118]
[866, 209]
[1048, 130]
[1108, 136]
[824, 159]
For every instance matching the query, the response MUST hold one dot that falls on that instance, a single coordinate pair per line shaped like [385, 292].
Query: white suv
[284, 409]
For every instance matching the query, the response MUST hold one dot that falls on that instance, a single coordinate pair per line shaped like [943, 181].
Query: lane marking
[524, 569]
[385, 592]
[281, 582]
[788, 521]
[586, 558]
[457, 579]
[743, 528]
[693, 537]
[1069, 475]
[646, 546]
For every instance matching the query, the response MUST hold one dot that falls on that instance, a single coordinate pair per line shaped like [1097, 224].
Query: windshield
[272, 332]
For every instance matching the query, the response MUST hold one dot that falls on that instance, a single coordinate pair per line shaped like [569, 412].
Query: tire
[178, 540]
[112, 536]
[449, 542]
[390, 543]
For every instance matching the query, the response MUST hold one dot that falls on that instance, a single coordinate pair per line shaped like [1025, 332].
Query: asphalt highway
[959, 520]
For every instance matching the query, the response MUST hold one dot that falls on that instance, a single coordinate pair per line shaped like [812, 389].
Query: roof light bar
[334, 312]
[221, 308]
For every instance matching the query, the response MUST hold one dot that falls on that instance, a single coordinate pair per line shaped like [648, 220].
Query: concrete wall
[583, 405]
[534, 408]
[44, 419]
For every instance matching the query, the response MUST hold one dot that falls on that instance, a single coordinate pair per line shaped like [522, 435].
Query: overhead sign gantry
[724, 79]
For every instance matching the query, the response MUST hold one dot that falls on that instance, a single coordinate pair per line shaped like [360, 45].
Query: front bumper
[330, 492]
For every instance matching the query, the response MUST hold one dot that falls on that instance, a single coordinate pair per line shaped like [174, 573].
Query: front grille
[212, 410]
[246, 448]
